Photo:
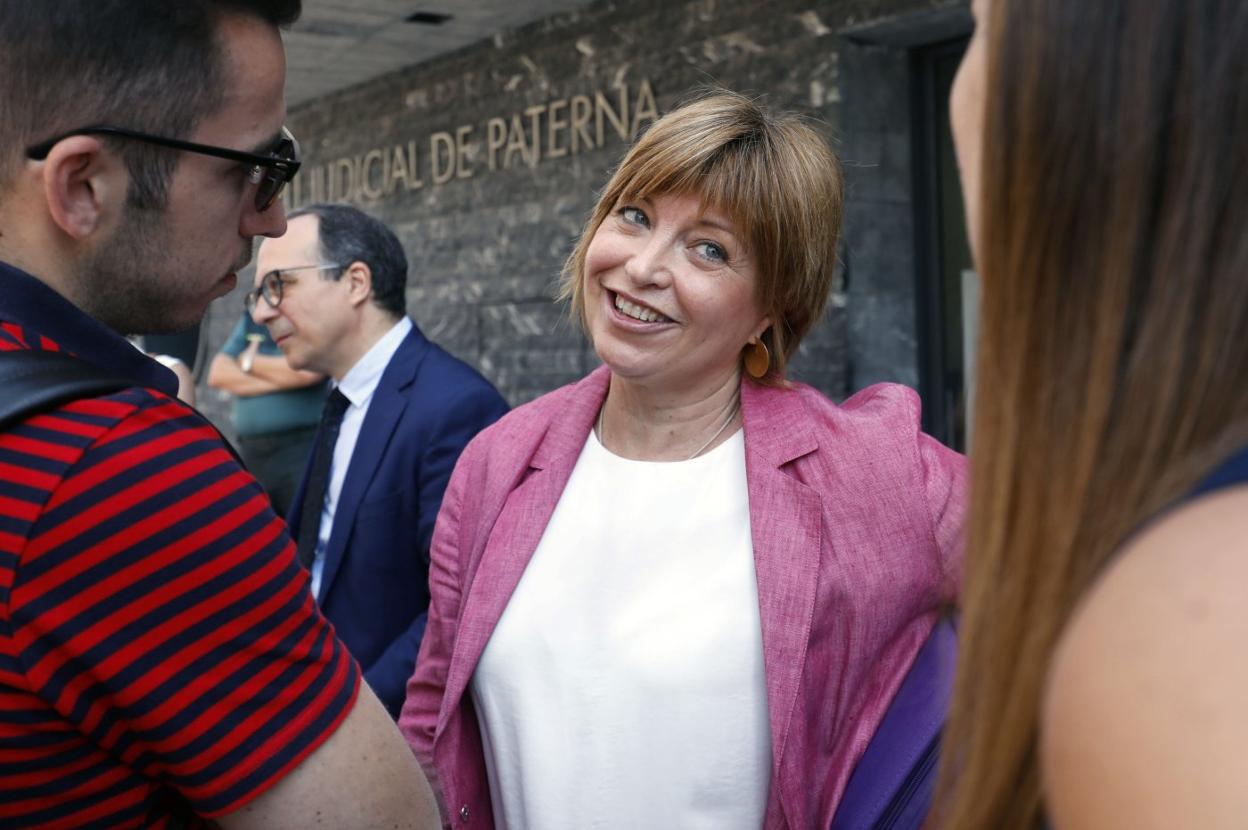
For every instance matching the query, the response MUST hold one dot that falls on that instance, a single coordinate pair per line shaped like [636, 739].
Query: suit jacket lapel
[519, 528]
[786, 530]
[384, 411]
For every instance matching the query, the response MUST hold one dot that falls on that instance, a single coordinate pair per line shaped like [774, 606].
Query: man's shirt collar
[360, 382]
[30, 303]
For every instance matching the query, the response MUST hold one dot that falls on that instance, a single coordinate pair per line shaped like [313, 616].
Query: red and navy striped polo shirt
[161, 657]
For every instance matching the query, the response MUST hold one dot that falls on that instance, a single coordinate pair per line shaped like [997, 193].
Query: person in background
[275, 408]
[1101, 146]
[682, 591]
[332, 293]
[161, 662]
[186, 378]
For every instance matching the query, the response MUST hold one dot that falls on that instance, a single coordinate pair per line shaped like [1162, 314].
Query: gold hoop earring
[757, 358]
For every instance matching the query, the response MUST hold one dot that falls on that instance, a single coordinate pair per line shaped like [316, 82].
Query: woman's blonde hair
[1112, 366]
[772, 174]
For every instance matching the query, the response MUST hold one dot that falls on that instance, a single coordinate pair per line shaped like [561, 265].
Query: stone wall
[486, 162]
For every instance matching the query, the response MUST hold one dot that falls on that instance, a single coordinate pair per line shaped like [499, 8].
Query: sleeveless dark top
[1230, 473]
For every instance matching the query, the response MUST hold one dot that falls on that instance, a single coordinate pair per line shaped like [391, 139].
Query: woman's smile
[669, 267]
[635, 311]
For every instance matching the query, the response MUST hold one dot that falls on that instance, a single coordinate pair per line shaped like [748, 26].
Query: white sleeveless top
[623, 686]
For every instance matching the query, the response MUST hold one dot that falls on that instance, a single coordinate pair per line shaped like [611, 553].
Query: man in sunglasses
[161, 660]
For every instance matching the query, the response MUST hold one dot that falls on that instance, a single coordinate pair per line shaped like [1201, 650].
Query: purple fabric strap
[892, 785]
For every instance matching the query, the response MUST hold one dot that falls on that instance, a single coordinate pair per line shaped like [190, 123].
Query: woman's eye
[634, 216]
[712, 252]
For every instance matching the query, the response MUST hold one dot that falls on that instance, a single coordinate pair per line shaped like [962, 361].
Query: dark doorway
[947, 290]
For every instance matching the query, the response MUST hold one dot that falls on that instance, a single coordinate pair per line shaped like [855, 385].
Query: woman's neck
[647, 425]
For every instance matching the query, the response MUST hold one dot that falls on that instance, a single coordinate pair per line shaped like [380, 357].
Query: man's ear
[359, 282]
[85, 187]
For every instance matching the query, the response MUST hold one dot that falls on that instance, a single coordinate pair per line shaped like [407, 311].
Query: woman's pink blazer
[856, 522]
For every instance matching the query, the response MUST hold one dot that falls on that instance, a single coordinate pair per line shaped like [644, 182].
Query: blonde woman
[682, 591]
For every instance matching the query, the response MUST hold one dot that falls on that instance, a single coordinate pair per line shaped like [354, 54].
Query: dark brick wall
[486, 249]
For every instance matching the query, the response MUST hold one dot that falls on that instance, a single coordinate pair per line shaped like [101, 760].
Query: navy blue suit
[375, 582]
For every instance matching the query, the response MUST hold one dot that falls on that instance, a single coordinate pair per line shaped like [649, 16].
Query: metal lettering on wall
[557, 129]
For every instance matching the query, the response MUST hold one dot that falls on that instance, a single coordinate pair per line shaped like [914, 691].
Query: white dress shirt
[358, 385]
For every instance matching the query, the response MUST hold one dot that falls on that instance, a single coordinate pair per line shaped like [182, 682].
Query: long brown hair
[1112, 368]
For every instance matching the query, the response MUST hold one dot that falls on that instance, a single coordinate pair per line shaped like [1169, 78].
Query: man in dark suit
[332, 294]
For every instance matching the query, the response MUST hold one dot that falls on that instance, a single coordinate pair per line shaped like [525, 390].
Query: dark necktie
[318, 480]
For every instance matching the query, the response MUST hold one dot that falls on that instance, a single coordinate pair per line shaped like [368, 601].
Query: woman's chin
[638, 369]
[629, 370]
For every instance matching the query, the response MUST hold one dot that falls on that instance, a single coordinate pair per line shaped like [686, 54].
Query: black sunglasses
[269, 172]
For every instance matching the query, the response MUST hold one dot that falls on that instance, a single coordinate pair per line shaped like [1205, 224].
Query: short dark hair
[348, 234]
[149, 65]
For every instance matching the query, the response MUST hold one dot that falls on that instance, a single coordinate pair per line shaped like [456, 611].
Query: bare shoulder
[1145, 718]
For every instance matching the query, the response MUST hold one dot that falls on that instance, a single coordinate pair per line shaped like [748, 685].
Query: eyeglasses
[270, 172]
[271, 284]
